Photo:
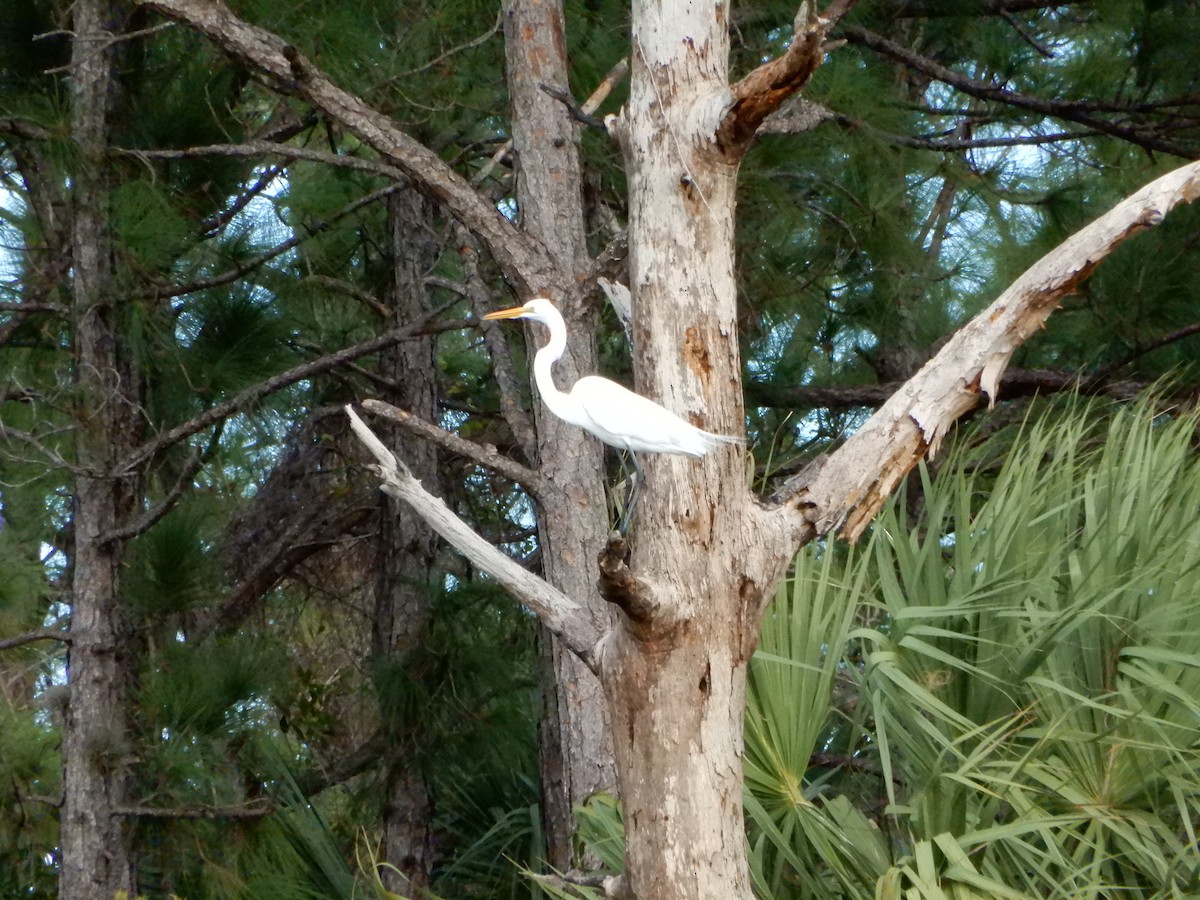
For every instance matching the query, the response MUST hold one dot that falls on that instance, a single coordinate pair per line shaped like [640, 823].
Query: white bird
[615, 414]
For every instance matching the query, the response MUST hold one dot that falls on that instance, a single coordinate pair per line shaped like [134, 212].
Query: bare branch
[590, 105]
[1013, 384]
[32, 637]
[558, 612]
[523, 261]
[56, 308]
[486, 456]
[1156, 344]
[23, 128]
[255, 148]
[253, 810]
[518, 418]
[855, 481]
[16, 434]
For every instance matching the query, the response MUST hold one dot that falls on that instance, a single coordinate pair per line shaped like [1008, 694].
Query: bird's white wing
[629, 421]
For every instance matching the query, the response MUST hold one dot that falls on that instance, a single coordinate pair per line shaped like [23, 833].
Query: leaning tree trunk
[575, 749]
[94, 846]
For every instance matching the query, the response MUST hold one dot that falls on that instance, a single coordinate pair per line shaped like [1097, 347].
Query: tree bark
[674, 667]
[96, 744]
[406, 547]
[575, 749]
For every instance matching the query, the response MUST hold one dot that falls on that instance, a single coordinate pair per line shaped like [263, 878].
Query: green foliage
[1004, 721]
[1015, 715]
[30, 764]
[1032, 682]
[800, 830]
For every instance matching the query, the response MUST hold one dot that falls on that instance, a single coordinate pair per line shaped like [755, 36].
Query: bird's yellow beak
[507, 313]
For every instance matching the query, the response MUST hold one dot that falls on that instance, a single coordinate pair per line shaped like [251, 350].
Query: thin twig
[1024, 34]
[469, 45]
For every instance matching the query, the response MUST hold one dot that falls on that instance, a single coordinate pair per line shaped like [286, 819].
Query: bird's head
[540, 309]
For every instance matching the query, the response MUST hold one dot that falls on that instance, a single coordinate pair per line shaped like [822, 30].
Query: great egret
[615, 414]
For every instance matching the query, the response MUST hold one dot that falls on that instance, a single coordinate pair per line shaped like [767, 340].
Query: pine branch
[263, 389]
[525, 263]
[214, 223]
[309, 231]
[32, 637]
[984, 90]
[453, 51]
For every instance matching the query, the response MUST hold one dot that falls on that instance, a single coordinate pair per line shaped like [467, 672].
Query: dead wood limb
[855, 481]
[558, 612]
[488, 456]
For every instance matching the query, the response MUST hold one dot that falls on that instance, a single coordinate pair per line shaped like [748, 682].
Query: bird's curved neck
[546, 357]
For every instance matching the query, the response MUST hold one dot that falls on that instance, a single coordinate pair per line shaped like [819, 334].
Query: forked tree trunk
[675, 670]
[96, 743]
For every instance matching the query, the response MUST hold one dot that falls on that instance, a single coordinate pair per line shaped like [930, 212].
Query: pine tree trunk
[407, 547]
[575, 748]
[97, 746]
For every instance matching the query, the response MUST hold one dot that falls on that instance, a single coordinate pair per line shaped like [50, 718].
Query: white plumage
[614, 414]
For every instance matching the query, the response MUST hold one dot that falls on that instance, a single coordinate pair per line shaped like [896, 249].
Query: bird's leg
[631, 495]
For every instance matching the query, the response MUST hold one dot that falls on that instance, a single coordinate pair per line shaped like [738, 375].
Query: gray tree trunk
[575, 748]
[96, 744]
[406, 546]
[675, 673]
